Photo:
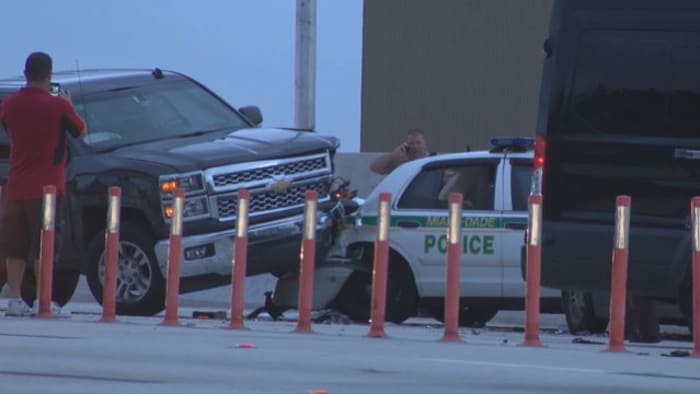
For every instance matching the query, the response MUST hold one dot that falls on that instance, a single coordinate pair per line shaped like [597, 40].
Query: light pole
[305, 66]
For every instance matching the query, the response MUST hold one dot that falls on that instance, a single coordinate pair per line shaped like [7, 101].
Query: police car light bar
[525, 142]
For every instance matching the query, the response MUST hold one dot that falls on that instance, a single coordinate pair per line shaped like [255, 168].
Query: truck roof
[96, 77]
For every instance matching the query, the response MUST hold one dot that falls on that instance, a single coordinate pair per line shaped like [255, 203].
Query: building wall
[461, 70]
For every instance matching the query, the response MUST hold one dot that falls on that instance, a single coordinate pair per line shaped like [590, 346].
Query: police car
[495, 185]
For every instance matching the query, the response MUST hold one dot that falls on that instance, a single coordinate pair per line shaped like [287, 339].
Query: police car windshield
[159, 110]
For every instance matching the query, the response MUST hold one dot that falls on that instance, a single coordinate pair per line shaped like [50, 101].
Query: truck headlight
[189, 182]
[191, 208]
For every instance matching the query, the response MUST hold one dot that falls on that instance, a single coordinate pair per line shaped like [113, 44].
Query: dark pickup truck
[148, 128]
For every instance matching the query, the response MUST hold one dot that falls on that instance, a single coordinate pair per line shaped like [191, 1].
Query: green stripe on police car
[489, 222]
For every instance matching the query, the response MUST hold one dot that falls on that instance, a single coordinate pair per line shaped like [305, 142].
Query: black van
[620, 114]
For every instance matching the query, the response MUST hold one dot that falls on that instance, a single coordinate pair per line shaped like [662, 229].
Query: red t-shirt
[36, 122]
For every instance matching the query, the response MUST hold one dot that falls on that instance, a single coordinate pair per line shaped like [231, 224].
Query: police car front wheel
[355, 298]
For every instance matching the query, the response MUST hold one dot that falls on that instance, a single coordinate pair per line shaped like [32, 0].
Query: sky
[242, 50]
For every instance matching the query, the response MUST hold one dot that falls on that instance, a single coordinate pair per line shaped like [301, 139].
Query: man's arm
[387, 162]
[72, 122]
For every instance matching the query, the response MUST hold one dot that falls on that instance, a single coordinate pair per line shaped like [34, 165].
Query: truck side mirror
[253, 114]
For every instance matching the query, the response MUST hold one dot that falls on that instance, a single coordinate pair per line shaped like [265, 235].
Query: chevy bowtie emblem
[280, 185]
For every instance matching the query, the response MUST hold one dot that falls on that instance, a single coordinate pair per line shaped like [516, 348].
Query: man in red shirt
[35, 121]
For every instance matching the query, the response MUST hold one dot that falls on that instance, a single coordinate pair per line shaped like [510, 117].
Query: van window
[637, 83]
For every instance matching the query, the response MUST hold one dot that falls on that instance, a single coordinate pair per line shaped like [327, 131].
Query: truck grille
[289, 169]
[274, 185]
[270, 201]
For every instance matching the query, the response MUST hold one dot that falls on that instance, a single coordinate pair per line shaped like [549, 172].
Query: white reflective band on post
[454, 231]
[383, 233]
[176, 228]
[113, 215]
[696, 229]
[622, 224]
[49, 211]
[310, 219]
[535, 221]
[242, 218]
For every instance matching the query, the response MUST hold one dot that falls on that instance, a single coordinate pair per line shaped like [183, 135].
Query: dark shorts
[20, 228]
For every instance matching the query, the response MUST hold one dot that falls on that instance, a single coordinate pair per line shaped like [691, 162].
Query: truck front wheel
[140, 284]
[580, 313]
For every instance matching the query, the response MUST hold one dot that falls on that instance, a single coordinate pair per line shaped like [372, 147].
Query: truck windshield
[157, 110]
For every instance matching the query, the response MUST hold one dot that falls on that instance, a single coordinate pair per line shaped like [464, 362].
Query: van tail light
[538, 165]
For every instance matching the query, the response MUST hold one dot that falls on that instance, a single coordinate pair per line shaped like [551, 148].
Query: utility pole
[305, 66]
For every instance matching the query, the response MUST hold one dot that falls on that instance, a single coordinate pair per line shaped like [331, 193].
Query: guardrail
[46, 253]
[533, 267]
[454, 236]
[240, 261]
[380, 270]
[308, 257]
[172, 286]
[109, 287]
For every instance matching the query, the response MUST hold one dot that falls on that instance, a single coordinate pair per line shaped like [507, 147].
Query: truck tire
[355, 298]
[63, 286]
[685, 299]
[580, 313]
[140, 284]
[476, 315]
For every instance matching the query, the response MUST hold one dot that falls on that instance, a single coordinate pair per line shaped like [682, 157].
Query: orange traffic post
[172, 286]
[532, 271]
[111, 259]
[381, 268]
[695, 271]
[240, 260]
[46, 252]
[308, 257]
[454, 236]
[618, 286]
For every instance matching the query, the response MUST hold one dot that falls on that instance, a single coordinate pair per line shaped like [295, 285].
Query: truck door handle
[408, 224]
[690, 154]
[516, 226]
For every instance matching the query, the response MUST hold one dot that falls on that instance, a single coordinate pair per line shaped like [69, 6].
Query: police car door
[517, 174]
[480, 271]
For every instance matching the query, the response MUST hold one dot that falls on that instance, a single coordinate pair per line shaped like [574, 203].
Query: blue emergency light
[524, 142]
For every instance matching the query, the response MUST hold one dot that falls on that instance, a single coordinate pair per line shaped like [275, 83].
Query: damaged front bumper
[273, 247]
